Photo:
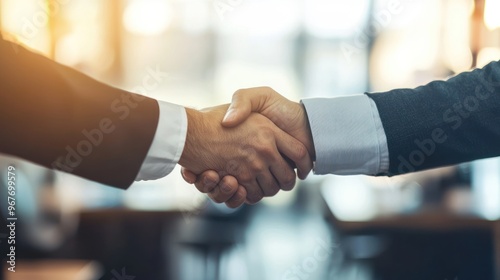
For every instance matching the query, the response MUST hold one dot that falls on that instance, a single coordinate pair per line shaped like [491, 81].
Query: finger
[227, 187]
[254, 192]
[188, 176]
[243, 104]
[246, 175]
[282, 171]
[295, 151]
[207, 181]
[238, 198]
[284, 174]
[268, 183]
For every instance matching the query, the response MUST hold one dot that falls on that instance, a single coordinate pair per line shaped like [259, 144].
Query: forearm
[444, 122]
[59, 118]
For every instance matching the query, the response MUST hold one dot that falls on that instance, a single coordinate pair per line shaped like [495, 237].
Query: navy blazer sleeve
[443, 122]
[59, 118]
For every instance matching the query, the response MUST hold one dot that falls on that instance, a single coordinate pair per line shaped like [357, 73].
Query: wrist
[309, 142]
[194, 126]
[203, 140]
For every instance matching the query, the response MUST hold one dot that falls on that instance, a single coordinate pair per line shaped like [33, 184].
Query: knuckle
[266, 134]
[264, 143]
[300, 152]
[266, 131]
[257, 166]
[249, 152]
[245, 177]
[239, 92]
[267, 89]
[265, 150]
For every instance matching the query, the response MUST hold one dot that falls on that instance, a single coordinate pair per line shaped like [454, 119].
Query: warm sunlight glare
[491, 17]
[147, 17]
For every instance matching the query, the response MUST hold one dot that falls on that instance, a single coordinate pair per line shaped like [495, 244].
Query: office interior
[437, 224]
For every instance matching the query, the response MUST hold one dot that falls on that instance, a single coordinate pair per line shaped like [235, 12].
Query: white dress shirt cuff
[348, 135]
[168, 143]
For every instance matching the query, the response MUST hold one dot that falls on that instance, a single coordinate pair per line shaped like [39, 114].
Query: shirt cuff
[348, 135]
[168, 143]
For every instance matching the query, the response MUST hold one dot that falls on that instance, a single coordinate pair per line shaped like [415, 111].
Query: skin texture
[287, 115]
[250, 154]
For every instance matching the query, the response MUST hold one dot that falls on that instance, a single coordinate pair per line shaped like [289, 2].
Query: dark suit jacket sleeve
[59, 118]
[444, 122]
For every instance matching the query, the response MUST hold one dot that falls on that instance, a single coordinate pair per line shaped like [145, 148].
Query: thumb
[243, 103]
[188, 176]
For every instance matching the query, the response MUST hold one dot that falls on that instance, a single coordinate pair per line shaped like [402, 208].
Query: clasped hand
[247, 150]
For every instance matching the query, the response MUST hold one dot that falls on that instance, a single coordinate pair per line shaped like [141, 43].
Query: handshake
[249, 149]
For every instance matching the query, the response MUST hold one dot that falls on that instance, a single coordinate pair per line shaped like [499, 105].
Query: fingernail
[225, 188]
[208, 183]
[237, 196]
[229, 115]
[188, 179]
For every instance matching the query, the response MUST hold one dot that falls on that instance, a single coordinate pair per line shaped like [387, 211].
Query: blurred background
[439, 224]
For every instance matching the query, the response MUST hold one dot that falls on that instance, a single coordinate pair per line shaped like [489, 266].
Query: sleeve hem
[345, 135]
[168, 143]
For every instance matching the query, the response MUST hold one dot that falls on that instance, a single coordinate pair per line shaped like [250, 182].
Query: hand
[287, 115]
[250, 152]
